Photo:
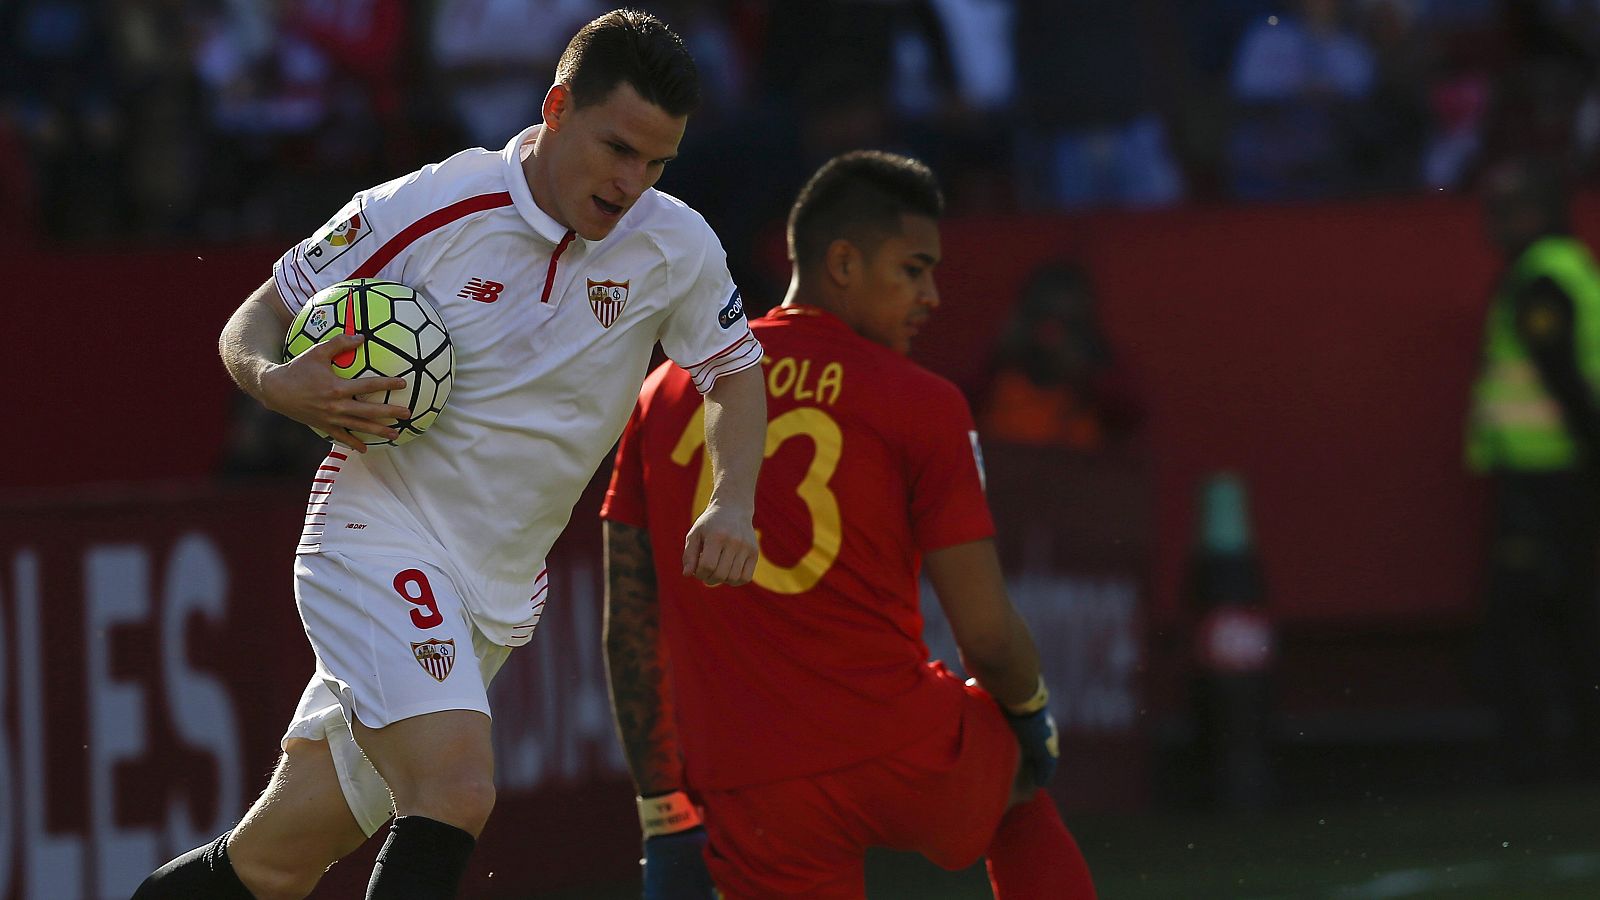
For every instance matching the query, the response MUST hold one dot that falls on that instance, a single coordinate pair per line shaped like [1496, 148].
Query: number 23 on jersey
[828, 443]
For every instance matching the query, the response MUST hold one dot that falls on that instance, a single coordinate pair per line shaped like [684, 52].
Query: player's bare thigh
[300, 825]
[439, 765]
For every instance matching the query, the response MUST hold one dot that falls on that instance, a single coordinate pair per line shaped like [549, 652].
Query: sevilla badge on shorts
[607, 298]
[436, 657]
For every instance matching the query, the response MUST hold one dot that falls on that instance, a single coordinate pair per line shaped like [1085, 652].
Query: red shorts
[943, 797]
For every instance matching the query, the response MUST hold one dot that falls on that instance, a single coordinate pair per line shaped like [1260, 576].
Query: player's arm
[636, 662]
[995, 645]
[721, 545]
[306, 388]
[641, 703]
[1545, 323]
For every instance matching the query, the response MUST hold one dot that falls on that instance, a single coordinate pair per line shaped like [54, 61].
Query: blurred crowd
[223, 120]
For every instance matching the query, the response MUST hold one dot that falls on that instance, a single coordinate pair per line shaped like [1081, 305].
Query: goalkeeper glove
[1036, 732]
[674, 844]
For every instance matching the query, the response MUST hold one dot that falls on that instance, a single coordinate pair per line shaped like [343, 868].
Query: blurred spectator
[1054, 380]
[268, 91]
[853, 73]
[707, 28]
[969, 135]
[364, 39]
[365, 42]
[1458, 101]
[55, 56]
[1088, 133]
[1393, 126]
[1296, 80]
[1535, 429]
[1543, 87]
[740, 139]
[157, 92]
[495, 58]
[222, 119]
[820, 76]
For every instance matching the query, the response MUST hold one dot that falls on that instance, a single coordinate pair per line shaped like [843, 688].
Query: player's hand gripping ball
[405, 338]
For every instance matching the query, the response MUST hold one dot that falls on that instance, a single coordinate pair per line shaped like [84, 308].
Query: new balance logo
[481, 290]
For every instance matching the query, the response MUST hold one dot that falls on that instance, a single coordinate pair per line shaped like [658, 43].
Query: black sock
[422, 860]
[202, 872]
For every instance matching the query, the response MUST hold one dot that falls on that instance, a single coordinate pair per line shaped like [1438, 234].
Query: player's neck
[804, 293]
[536, 169]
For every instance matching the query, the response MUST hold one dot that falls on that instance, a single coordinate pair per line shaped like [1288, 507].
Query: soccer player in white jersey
[557, 268]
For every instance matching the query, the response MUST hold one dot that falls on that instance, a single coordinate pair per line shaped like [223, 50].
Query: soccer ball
[406, 338]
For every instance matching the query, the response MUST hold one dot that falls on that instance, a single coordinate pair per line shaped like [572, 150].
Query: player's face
[892, 300]
[604, 157]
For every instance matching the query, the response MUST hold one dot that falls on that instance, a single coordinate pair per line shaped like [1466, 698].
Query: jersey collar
[812, 313]
[522, 195]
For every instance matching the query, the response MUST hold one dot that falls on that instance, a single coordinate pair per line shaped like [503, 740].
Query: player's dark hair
[860, 196]
[627, 46]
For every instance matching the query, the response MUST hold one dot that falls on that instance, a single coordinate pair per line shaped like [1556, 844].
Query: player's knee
[462, 799]
[278, 879]
[275, 867]
[472, 800]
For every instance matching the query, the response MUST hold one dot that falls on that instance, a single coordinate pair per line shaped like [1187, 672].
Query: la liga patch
[344, 231]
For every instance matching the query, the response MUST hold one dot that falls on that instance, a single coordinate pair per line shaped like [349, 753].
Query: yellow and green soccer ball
[405, 338]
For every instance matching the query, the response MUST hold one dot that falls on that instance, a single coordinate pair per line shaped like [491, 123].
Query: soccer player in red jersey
[777, 730]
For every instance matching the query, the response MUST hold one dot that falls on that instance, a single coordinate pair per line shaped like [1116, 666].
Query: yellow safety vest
[1516, 424]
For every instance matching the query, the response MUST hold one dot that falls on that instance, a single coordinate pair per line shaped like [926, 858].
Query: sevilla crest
[436, 657]
[607, 298]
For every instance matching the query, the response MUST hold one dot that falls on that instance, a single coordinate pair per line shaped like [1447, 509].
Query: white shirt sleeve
[329, 256]
[707, 332]
[355, 234]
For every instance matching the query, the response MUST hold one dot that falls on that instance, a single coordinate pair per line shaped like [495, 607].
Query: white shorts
[386, 632]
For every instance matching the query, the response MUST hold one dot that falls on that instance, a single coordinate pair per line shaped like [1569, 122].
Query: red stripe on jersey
[550, 273]
[708, 376]
[430, 222]
[723, 352]
[308, 288]
[284, 293]
[334, 454]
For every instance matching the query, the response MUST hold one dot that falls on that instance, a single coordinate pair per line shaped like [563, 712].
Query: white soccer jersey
[552, 338]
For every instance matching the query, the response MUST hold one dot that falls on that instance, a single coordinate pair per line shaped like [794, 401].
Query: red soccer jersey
[871, 461]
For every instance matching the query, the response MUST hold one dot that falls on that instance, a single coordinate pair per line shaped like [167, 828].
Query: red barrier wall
[1324, 351]
[153, 656]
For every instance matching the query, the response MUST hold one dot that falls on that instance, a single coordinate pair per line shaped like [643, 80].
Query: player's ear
[557, 103]
[842, 262]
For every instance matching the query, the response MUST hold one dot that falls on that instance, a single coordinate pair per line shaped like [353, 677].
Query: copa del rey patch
[607, 298]
[436, 657]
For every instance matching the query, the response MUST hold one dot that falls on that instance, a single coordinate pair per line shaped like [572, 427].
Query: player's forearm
[636, 663]
[1008, 671]
[736, 435]
[995, 645]
[252, 341]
